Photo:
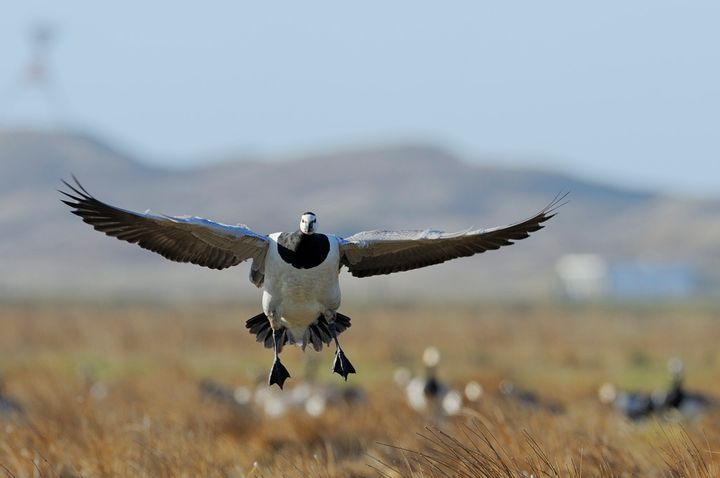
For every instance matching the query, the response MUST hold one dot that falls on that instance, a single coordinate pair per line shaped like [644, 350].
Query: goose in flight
[298, 271]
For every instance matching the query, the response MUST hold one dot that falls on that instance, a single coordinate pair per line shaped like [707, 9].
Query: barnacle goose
[428, 393]
[298, 270]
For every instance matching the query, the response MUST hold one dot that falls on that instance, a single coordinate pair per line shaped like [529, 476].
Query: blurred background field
[116, 362]
[117, 390]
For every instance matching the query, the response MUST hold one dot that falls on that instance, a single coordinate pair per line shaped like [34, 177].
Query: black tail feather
[319, 331]
[342, 322]
[324, 332]
[260, 327]
[258, 324]
[315, 338]
[266, 337]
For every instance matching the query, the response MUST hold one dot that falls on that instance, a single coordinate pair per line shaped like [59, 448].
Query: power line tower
[34, 97]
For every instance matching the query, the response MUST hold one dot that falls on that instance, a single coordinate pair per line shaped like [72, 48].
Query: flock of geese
[425, 393]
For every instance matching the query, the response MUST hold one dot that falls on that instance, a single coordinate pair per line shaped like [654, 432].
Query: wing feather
[178, 238]
[371, 253]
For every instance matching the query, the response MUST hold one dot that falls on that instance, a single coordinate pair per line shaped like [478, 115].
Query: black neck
[303, 251]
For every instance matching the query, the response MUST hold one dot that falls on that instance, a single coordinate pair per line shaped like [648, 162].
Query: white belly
[299, 296]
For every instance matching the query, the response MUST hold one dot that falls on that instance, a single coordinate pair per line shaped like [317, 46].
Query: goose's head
[676, 367]
[308, 223]
[431, 357]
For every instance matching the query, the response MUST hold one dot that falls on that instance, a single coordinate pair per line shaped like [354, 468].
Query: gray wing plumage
[182, 239]
[372, 253]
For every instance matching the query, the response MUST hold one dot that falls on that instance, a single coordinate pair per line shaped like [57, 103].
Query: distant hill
[44, 250]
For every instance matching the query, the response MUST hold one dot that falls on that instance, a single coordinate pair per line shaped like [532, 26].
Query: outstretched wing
[182, 239]
[372, 253]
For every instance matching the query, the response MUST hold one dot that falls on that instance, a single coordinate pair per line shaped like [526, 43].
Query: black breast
[303, 251]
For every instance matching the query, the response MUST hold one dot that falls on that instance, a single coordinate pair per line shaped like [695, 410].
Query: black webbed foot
[278, 374]
[342, 365]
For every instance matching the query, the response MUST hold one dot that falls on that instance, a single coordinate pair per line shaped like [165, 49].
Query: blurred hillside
[45, 251]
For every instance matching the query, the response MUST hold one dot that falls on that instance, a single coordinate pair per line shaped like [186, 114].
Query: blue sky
[619, 91]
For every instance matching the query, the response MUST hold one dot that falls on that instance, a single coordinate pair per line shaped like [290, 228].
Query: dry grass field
[113, 390]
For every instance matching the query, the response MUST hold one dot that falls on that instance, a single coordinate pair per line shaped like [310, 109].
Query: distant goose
[315, 399]
[429, 393]
[677, 397]
[299, 270]
[528, 398]
[635, 405]
[236, 400]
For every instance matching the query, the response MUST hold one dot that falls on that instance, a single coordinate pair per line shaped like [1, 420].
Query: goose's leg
[341, 365]
[278, 372]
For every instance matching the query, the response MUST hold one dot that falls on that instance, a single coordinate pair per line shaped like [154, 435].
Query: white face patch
[308, 223]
